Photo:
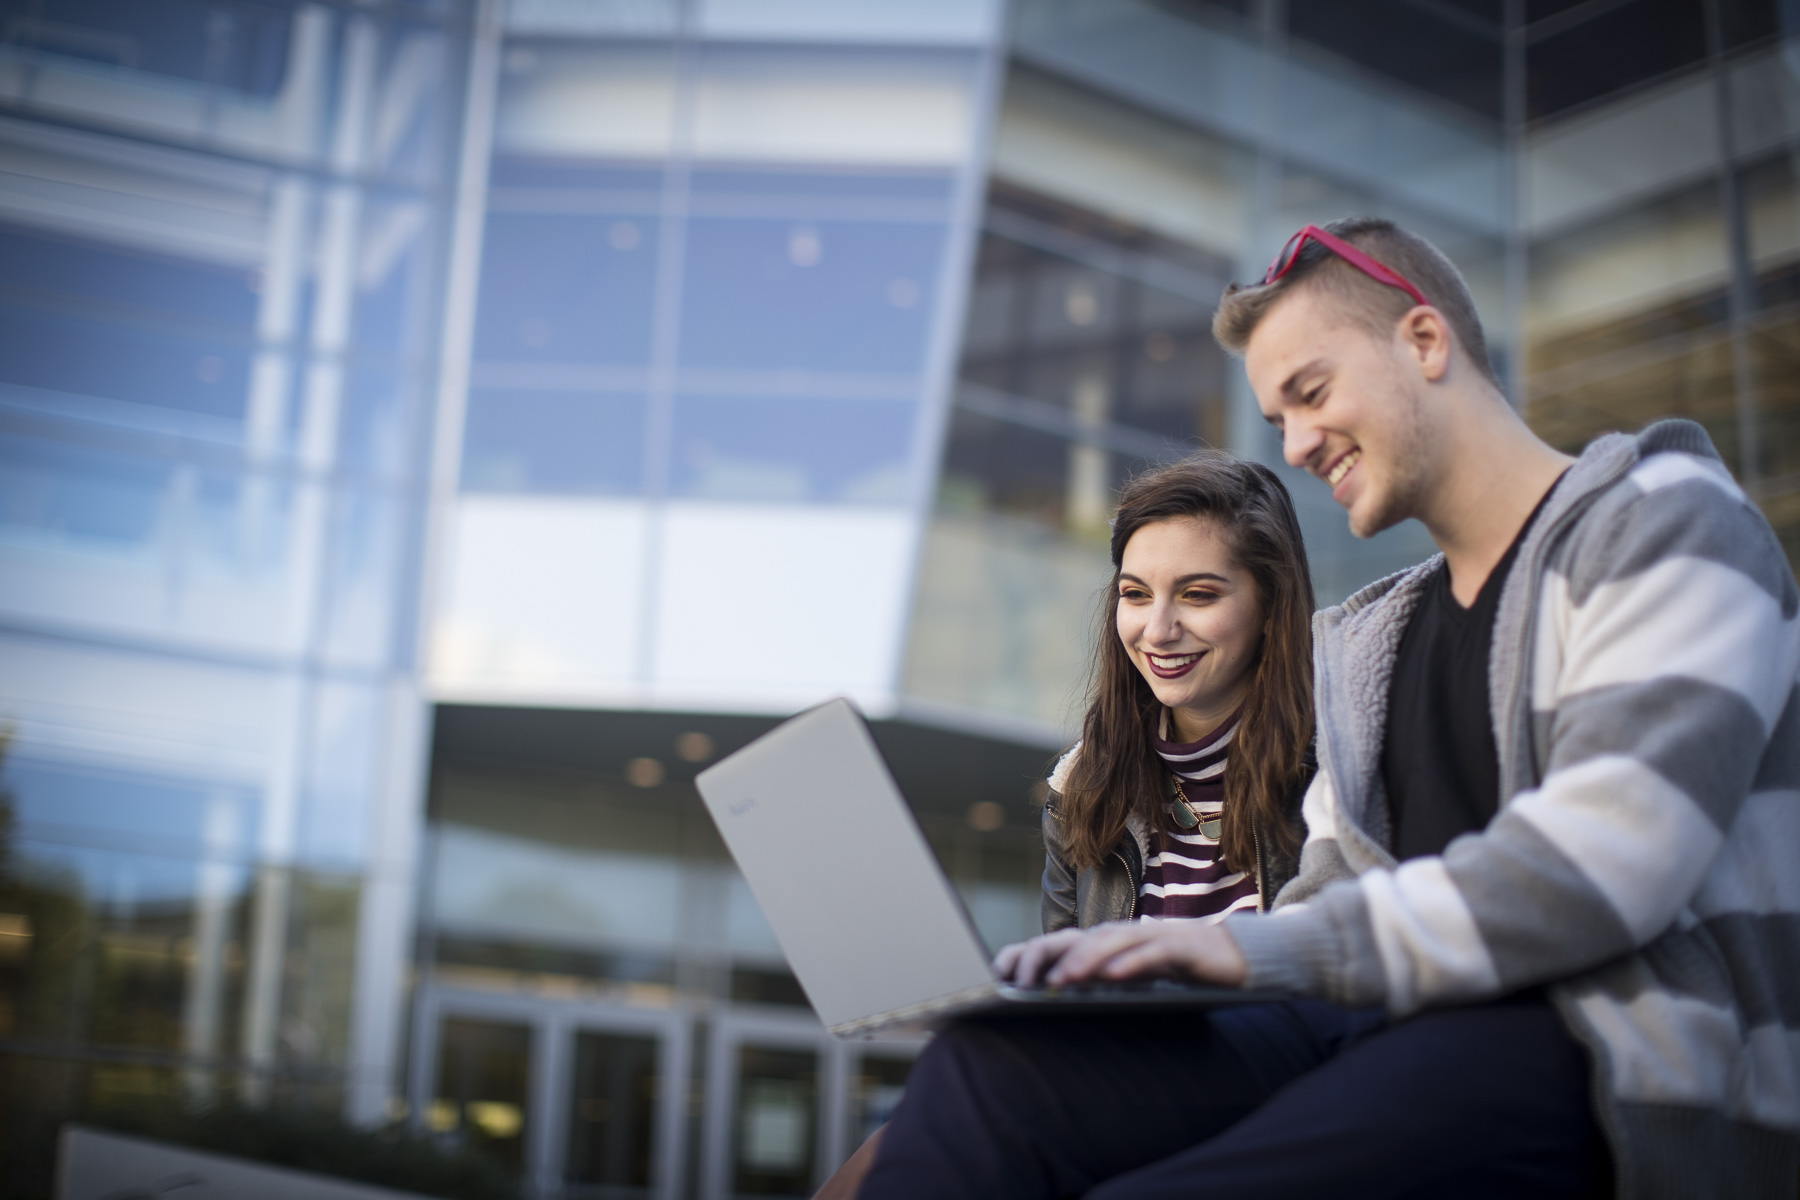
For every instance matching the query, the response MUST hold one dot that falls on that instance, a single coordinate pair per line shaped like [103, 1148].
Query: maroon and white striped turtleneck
[1183, 876]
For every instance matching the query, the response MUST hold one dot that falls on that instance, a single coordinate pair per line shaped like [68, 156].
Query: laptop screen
[841, 869]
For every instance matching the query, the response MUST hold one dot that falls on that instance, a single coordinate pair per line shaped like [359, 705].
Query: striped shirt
[1184, 877]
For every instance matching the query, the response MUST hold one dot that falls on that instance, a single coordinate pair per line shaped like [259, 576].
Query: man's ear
[1428, 342]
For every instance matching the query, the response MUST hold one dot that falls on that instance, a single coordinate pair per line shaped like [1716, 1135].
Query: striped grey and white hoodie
[1646, 856]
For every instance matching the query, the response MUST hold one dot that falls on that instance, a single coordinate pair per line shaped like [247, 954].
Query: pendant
[1212, 828]
[1185, 816]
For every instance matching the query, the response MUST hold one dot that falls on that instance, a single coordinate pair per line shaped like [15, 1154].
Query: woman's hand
[1024, 963]
[1205, 953]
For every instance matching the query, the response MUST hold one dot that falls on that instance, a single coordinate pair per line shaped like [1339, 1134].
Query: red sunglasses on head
[1368, 265]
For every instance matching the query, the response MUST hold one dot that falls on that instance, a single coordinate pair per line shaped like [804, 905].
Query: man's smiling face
[1348, 406]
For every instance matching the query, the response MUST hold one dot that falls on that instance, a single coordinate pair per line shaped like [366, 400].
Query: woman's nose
[1163, 626]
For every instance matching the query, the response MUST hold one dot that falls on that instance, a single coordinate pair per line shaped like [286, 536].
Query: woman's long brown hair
[1118, 771]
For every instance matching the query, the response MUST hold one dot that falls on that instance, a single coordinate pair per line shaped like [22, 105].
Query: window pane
[586, 102]
[112, 275]
[145, 545]
[1102, 342]
[612, 1114]
[1626, 323]
[127, 950]
[833, 105]
[877, 1086]
[996, 466]
[378, 423]
[366, 567]
[563, 288]
[57, 803]
[347, 735]
[483, 1084]
[187, 70]
[818, 296]
[393, 308]
[850, 451]
[67, 353]
[776, 1124]
[1005, 615]
[1751, 20]
[238, 48]
[589, 866]
[553, 442]
[1424, 48]
[523, 888]
[54, 493]
[1620, 46]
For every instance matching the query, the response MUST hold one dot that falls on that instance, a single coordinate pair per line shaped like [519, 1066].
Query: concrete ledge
[91, 1165]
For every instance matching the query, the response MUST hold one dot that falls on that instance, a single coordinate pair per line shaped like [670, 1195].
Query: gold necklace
[1188, 817]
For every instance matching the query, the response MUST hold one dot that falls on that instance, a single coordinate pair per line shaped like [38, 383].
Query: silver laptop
[871, 927]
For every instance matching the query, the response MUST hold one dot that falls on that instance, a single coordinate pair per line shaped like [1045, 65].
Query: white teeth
[1169, 664]
[1343, 467]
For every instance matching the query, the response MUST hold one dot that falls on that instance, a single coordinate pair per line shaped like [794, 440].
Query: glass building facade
[432, 430]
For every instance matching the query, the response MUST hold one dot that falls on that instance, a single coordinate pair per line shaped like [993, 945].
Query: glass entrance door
[613, 1115]
[588, 1101]
[584, 1101]
[483, 1086]
[774, 1080]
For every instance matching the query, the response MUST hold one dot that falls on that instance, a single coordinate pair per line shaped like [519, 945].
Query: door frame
[554, 1023]
[786, 1029]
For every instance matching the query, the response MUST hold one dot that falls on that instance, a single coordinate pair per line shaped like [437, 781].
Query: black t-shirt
[1438, 759]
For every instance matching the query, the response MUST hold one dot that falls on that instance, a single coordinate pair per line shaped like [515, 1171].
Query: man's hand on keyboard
[1202, 952]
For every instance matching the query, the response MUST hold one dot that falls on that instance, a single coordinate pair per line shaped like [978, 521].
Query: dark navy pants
[1301, 1099]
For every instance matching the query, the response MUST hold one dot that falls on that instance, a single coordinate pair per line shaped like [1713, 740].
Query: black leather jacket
[1109, 891]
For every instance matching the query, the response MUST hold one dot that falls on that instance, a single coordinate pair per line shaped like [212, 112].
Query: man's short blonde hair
[1375, 307]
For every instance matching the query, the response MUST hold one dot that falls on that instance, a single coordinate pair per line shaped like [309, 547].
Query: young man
[1547, 924]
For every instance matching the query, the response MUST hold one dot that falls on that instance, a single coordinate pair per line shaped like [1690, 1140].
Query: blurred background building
[432, 430]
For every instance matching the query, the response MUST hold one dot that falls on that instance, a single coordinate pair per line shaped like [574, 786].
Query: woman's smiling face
[1191, 621]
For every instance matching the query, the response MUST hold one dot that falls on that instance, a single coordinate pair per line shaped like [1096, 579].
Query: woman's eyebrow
[1208, 575]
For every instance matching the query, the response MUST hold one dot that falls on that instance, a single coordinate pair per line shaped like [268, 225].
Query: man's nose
[1299, 443]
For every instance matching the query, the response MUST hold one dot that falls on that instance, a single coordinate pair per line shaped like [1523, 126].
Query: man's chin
[1370, 517]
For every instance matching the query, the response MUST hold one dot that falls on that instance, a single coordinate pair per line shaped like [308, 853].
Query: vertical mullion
[665, 335]
[1741, 296]
[1513, 168]
[675, 1038]
[551, 1034]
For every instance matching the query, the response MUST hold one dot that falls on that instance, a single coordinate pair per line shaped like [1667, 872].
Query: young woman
[1182, 798]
